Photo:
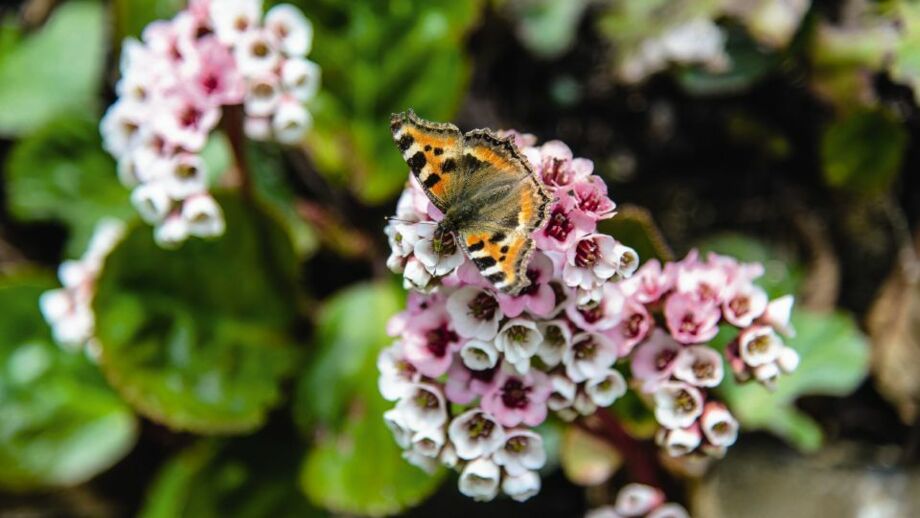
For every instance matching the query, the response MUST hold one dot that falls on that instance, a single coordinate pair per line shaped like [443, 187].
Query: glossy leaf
[60, 423]
[61, 173]
[56, 70]
[200, 338]
[355, 467]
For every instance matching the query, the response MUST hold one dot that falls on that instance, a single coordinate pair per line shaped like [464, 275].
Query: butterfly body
[491, 199]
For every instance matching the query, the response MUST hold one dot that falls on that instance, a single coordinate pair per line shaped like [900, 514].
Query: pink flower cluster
[639, 500]
[474, 370]
[69, 310]
[671, 361]
[174, 83]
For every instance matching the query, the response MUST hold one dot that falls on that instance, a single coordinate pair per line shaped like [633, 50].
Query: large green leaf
[60, 423]
[834, 361]
[356, 466]
[200, 338]
[863, 152]
[379, 58]
[253, 477]
[60, 172]
[57, 69]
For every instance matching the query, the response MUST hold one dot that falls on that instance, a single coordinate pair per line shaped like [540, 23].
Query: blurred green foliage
[60, 172]
[199, 338]
[252, 477]
[863, 151]
[381, 57]
[57, 69]
[355, 467]
[60, 423]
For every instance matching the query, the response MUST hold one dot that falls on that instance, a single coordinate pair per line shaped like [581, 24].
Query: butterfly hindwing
[512, 203]
[433, 151]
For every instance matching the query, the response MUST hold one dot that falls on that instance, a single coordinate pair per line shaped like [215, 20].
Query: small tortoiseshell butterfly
[491, 199]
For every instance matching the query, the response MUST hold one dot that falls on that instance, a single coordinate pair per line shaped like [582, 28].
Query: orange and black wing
[511, 204]
[433, 151]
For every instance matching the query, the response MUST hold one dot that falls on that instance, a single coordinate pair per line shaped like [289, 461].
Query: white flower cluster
[639, 500]
[69, 310]
[475, 370]
[174, 83]
[696, 42]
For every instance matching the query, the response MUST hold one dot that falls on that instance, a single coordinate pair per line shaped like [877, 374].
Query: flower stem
[639, 456]
[232, 122]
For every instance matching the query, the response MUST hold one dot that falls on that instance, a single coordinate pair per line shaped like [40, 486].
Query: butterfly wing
[509, 203]
[433, 151]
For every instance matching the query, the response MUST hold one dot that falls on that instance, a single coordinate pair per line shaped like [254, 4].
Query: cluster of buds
[639, 500]
[473, 370]
[174, 84]
[672, 363]
[69, 310]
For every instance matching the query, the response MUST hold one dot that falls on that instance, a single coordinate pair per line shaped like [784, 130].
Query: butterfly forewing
[433, 151]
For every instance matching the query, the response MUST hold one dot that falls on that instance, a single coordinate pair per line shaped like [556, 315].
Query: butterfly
[490, 197]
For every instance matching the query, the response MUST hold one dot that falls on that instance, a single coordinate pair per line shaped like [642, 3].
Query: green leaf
[61, 173]
[131, 16]
[248, 478]
[200, 338]
[782, 273]
[356, 466]
[60, 423]
[379, 58]
[56, 70]
[863, 152]
[350, 332]
[834, 361]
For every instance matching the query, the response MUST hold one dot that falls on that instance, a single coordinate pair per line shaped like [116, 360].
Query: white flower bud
[152, 202]
[788, 360]
[478, 355]
[290, 28]
[203, 216]
[172, 232]
[604, 390]
[522, 486]
[479, 480]
[523, 451]
[291, 121]
[475, 433]
[637, 500]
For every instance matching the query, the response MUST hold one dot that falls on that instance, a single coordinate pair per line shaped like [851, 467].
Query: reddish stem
[232, 122]
[639, 456]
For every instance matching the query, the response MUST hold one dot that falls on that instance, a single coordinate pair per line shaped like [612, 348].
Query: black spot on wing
[427, 147]
[496, 277]
[405, 142]
[438, 151]
[472, 164]
[497, 237]
[477, 246]
[501, 259]
[417, 162]
[449, 165]
[484, 262]
[432, 180]
[505, 249]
